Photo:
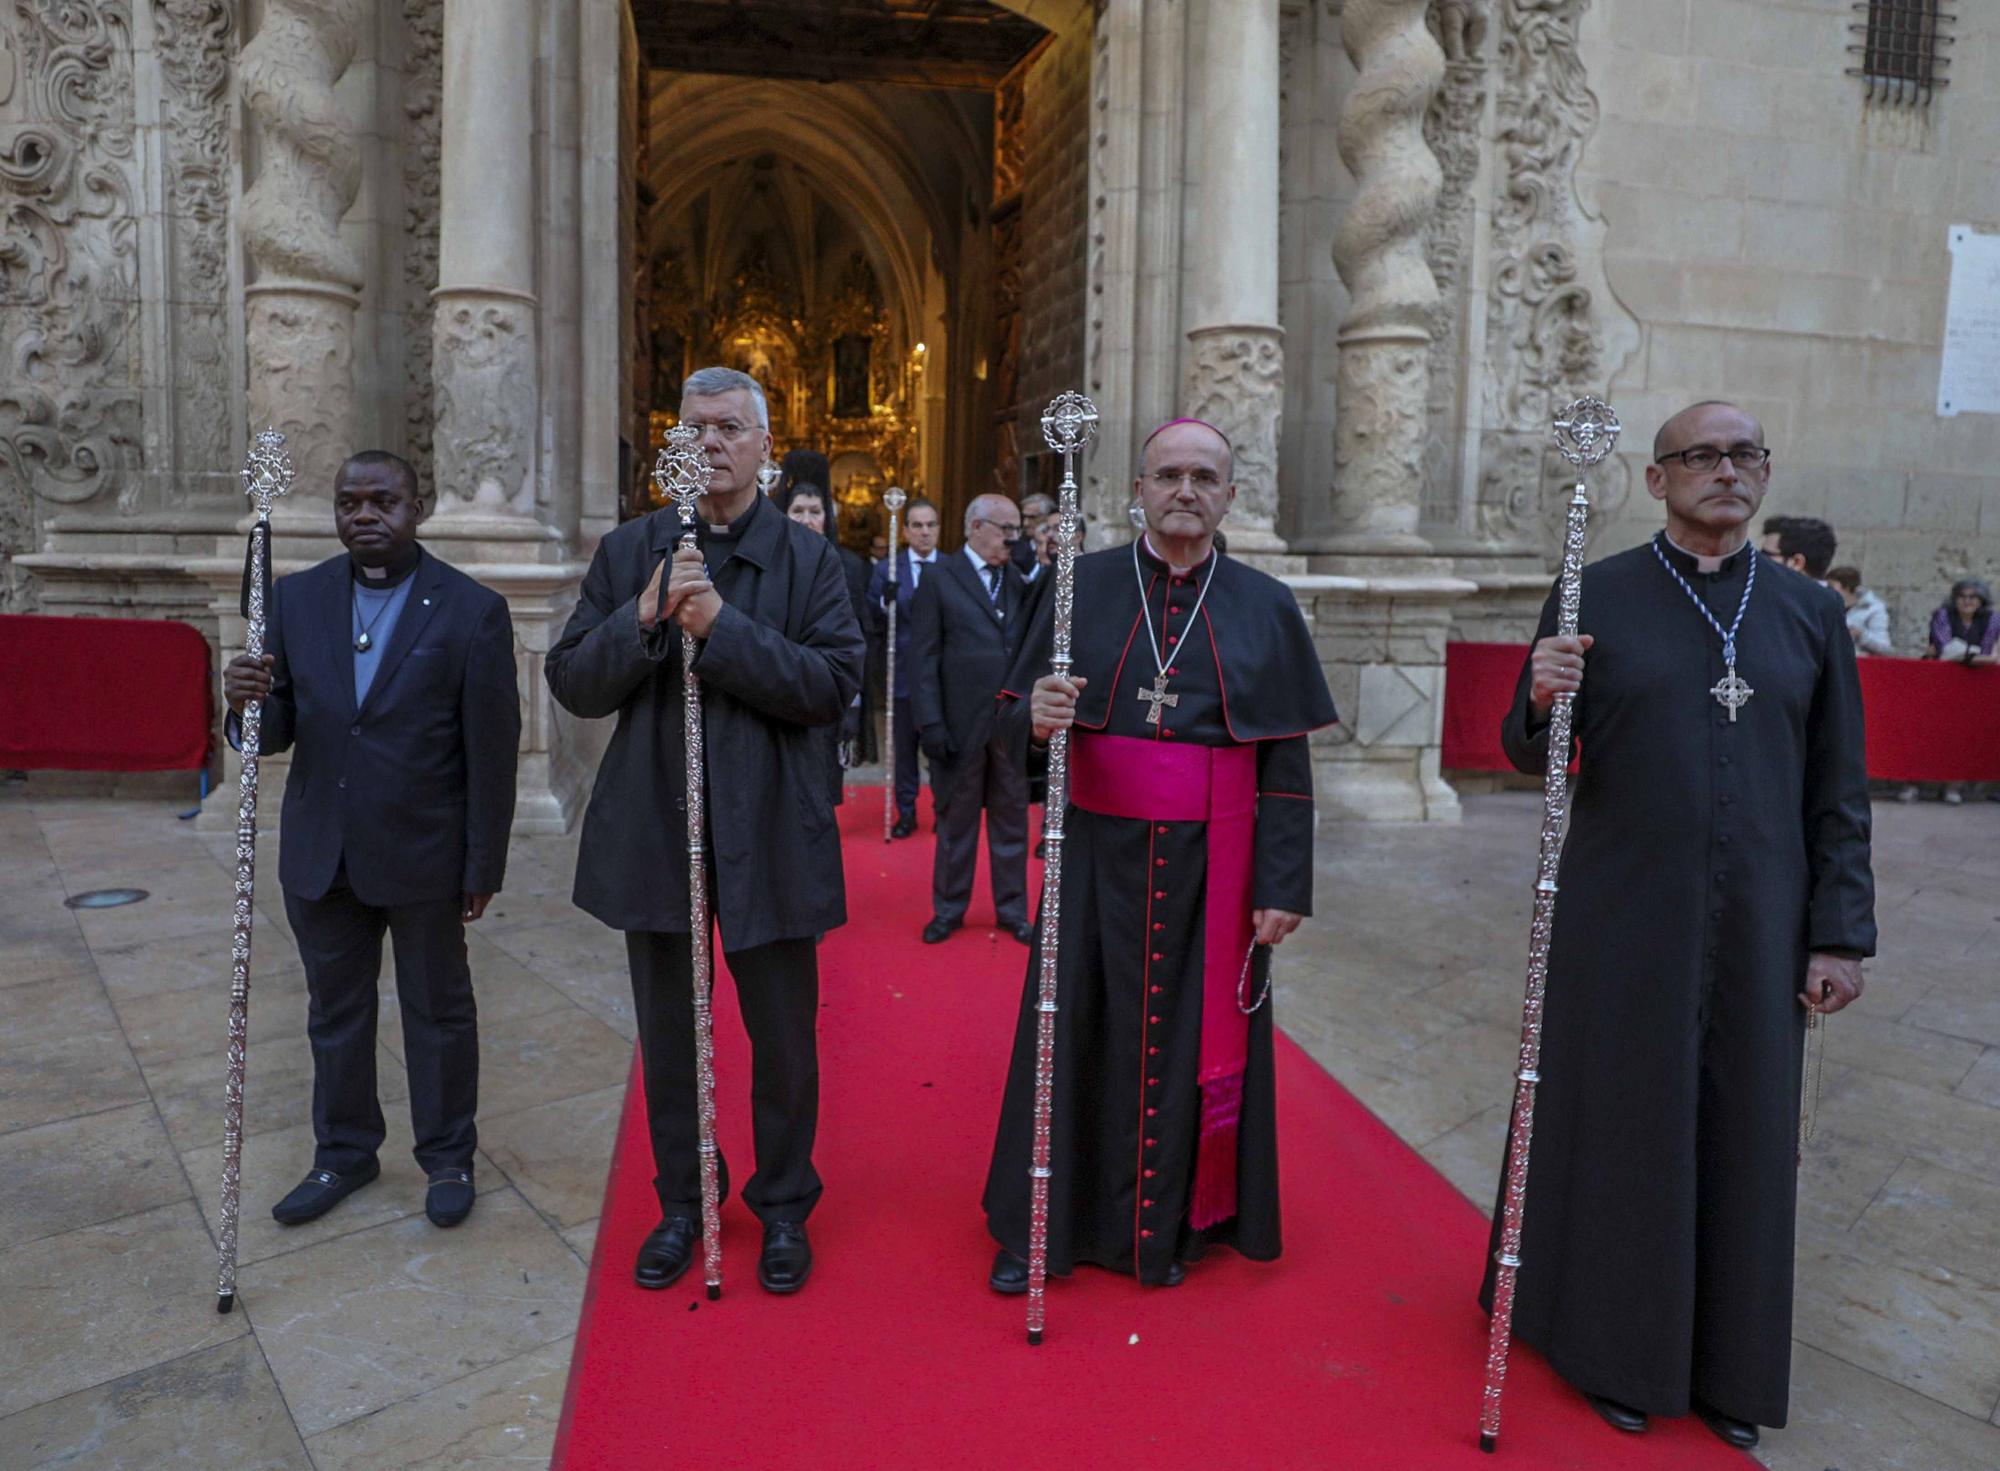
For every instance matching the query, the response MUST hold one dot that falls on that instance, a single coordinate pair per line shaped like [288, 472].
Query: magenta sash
[1159, 781]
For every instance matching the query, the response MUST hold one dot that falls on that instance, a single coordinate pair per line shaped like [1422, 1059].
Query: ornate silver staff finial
[1136, 514]
[682, 471]
[894, 498]
[267, 471]
[1586, 432]
[768, 476]
[1069, 422]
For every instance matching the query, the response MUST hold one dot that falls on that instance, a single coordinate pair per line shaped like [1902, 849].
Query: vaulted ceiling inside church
[932, 43]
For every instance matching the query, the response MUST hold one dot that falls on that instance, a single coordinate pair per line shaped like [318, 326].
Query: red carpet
[1362, 1348]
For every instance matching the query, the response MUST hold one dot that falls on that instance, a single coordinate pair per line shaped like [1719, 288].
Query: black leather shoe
[1621, 1417]
[1022, 931]
[788, 1257]
[666, 1252]
[1176, 1274]
[939, 930]
[449, 1198]
[1739, 1433]
[904, 827]
[1009, 1274]
[320, 1192]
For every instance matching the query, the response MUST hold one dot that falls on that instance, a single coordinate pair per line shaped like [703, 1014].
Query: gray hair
[1037, 504]
[710, 382]
[982, 508]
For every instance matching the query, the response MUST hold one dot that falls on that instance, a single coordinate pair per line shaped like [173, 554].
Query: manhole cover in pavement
[104, 898]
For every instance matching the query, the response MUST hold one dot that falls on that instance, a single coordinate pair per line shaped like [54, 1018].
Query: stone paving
[370, 1340]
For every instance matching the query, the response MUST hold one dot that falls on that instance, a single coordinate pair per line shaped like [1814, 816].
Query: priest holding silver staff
[778, 653]
[1715, 898]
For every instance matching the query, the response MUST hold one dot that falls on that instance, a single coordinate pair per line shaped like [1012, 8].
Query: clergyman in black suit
[389, 675]
[962, 623]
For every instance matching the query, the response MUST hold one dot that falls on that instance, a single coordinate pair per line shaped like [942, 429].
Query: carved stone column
[1379, 252]
[301, 307]
[1234, 365]
[483, 359]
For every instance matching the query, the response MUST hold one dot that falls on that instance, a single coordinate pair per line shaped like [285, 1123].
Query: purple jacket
[1941, 633]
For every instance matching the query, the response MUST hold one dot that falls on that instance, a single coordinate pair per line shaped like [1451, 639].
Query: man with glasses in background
[963, 621]
[1715, 889]
[780, 653]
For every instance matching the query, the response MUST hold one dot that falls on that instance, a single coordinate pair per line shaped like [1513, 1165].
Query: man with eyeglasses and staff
[1715, 890]
[964, 625]
[781, 653]
[1188, 853]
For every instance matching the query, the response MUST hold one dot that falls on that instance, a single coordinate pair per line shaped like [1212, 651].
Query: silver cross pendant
[1157, 697]
[1733, 692]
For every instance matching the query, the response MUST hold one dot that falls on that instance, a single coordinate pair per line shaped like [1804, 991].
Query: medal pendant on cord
[1733, 691]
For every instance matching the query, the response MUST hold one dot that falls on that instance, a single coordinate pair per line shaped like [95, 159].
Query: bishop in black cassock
[1189, 829]
[1715, 875]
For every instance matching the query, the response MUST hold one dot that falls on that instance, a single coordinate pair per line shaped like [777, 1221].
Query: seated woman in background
[1963, 631]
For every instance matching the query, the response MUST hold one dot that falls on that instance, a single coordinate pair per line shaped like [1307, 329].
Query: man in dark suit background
[913, 562]
[780, 654]
[962, 623]
[390, 677]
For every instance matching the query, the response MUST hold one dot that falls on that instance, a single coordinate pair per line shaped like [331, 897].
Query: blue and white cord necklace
[1733, 692]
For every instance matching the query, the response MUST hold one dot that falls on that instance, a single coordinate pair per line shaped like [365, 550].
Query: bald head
[991, 521]
[1686, 427]
[1172, 442]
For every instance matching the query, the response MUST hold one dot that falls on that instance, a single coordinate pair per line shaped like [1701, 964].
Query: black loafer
[666, 1252]
[939, 930]
[1022, 931]
[320, 1192]
[788, 1257]
[1620, 1417]
[1729, 1430]
[904, 827]
[449, 1198]
[1009, 1275]
[1176, 1274]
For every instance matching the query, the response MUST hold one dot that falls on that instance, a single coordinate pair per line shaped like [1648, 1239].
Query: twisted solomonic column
[300, 309]
[1379, 252]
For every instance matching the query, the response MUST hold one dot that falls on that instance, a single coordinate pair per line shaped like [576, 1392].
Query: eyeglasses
[729, 430]
[1007, 529]
[1171, 479]
[1704, 457]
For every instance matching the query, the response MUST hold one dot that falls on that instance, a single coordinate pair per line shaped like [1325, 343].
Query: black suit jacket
[960, 648]
[415, 789]
[784, 656]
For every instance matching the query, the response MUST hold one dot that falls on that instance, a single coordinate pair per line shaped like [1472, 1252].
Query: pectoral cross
[1157, 697]
[1732, 692]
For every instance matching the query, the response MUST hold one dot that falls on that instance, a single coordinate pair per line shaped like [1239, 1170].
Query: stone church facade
[1379, 241]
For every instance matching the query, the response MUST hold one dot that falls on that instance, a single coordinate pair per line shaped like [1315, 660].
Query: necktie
[916, 571]
[993, 585]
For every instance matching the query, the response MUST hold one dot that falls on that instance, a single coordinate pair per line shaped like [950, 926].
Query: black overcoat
[1704, 859]
[414, 791]
[783, 658]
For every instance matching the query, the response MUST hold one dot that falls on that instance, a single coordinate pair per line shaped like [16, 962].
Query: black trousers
[906, 759]
[777, 989]
[981, 779]
[340, 944]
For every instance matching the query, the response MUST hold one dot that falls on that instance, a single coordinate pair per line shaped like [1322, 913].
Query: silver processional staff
[1585, 433]
[267, 475]
[682, 473]
[894, 499]
[1068, 424]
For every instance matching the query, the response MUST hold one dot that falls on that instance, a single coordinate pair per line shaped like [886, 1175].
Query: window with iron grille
[1901, 45]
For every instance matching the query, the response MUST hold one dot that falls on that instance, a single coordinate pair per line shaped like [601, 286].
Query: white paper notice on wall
[1969, 377]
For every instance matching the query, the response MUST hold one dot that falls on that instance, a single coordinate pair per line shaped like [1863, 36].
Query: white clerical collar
[1178, 571]
[1701, 563]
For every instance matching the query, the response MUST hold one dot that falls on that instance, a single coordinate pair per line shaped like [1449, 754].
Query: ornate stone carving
[1543, 337]
[69, 299]
[192, 41]
[301, 308]
[1379, 252]
[423, 85]
[1236, 381]
[484, 361]
[1452, 127]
